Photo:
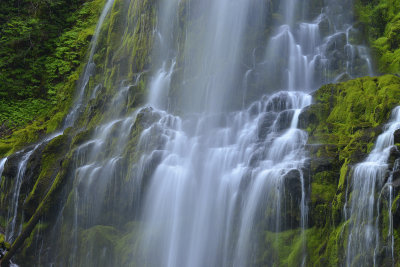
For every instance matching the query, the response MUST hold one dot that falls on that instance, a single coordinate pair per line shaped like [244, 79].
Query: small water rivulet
[15, 213]
[367, 181]
[2, 163]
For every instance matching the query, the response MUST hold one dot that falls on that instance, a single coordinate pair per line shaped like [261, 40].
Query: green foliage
[42, 56]
[348, 114]
[381, 22]
[19, 112]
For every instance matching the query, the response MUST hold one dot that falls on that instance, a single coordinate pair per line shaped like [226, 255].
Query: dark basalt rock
[396, 206]
[292, 182]
[320, 164]
[265, 124]
[292, 199]
[279, 102]
[396, 136]
[284, 120]
[32, 169]
[306, 118]
[11, 167]
[323, 157]
[394, 155]
[147, 117]
[150, 166]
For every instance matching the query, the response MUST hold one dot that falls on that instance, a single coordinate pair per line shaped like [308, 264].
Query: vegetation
[43, 48]
[380, 21]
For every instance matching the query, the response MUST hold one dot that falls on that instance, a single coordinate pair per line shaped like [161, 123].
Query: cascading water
[210, 185]
[12, 213]
[2, 163]
[315, 54]
[220, 171]
[14, 209]
[219, 159]
[368, 179]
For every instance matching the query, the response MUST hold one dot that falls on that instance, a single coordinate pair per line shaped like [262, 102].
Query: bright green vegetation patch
[43, 53]
[381, 23]
[349, 114]
[283, 248]
[18, 113]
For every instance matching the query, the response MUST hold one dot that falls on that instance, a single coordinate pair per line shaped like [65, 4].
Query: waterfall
[221, 172]
[212, 181]
[368, 179]
[214, 160]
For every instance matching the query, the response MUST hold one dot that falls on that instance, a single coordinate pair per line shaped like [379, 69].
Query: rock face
[343, 125]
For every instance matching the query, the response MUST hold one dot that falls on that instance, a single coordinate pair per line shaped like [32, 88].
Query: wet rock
[321, 164]
[284, 120]
[32, 169]
[343, 78]
[324, 157]
[358, 156]
[291, 215]
[394, 155]
[11, 165]
[147, 116]
[396, 136]
[336, 43]
[279, 102]
[265, 124]
[307, 117]
[292, 182]
[396, 206]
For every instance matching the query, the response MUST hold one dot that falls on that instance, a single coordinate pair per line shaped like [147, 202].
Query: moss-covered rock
[343, 124]
[380, 21]
[51, 162]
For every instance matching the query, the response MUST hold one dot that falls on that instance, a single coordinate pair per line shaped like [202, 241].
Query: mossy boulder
[51, 161]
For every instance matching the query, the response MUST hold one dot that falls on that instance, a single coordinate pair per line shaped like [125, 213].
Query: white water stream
[368, 179]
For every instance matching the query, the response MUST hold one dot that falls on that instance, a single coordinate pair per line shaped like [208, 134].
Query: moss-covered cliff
[343, 124]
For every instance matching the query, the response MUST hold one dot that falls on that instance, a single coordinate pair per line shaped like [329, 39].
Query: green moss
[97, 246]
[343, 125]
[282, 249]
[51, 160]
[380, 21]
[29, 243]
[349, 114]
[3, 243]
[322, 192]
